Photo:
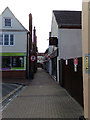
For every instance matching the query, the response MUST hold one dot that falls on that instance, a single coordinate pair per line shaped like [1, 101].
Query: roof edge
[14, 16]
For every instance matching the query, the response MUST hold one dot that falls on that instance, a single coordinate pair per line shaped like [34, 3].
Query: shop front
[13, 65]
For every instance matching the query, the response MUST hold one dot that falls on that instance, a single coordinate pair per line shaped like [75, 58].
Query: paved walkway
[43, 98]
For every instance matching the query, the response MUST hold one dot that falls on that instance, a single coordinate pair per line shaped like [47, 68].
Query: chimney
[35, 38]
[30, 24]
[30, 29]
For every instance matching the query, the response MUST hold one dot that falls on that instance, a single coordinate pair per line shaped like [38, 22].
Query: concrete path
[43, 98]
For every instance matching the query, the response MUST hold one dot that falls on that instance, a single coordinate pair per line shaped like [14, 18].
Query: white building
[66, 26]
[13, 41]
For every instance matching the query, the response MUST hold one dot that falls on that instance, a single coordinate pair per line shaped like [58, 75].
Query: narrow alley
[43, 98]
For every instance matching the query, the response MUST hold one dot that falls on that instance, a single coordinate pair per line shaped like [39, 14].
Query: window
[1, 39]
[12, 62]
[6, 62]
[11, 39]
[7, 22]
[17, 61]
[6, 39]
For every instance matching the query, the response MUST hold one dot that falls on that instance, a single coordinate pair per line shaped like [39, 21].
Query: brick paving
[43, 98]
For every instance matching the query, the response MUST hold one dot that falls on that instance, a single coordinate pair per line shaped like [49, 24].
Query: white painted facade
[54, 27]
[16, 25]
[17, 29]
[12, 30]
[20, 41]
[69, 42]
[70, 45]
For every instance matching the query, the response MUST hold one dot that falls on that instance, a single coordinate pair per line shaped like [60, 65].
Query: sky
[42, 15]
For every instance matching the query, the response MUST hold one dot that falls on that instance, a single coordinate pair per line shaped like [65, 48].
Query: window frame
[5, 22]
[13, 39]
[2, 39]
[8, 40]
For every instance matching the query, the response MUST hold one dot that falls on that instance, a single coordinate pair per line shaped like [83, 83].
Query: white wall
[70, 43]
[54, 27]
[16, 25]
[20, 42]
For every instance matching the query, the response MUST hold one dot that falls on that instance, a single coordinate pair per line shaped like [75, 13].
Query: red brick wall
[13, 74]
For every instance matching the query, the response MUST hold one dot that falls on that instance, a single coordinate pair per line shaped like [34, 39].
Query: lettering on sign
[86, 64]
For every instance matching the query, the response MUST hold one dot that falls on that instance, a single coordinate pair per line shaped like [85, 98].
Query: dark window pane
[6, 62]
[11, 39]
[17, 61]
[8, 22]
[1, 39]
[6, 39]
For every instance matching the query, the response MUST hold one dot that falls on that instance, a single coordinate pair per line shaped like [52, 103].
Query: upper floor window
[11, 39]
[1, 39]
[7, 22]
[7, 39]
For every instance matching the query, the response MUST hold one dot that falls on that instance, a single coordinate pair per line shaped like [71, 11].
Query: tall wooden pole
[35, 48]
[86, 56]
[30, 46]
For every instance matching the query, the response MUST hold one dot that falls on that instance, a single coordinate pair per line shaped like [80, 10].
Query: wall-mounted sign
[75, 68]
[33, 58]
[75, 61]
[75, 64]
[87, 63]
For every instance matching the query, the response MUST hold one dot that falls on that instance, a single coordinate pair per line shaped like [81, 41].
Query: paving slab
[43, 98]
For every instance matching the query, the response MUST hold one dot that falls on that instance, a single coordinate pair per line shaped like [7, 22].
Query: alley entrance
[43, 98]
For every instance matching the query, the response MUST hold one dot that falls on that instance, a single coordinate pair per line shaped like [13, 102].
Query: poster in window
[17, 61]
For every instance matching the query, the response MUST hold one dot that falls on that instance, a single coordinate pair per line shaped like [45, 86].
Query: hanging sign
[33, 58]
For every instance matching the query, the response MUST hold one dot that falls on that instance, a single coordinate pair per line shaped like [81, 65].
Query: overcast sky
[42, 14]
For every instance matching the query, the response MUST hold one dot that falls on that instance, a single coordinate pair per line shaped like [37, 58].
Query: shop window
[17, 61]
[6, 62]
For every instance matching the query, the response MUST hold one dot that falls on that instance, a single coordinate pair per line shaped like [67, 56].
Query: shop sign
[53, 41]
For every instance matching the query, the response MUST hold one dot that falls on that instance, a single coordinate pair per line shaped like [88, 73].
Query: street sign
[33, 58]
[75, 64]
[75, 61]
[75, 68]
[86, 64]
